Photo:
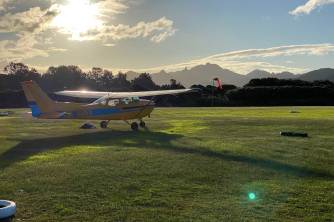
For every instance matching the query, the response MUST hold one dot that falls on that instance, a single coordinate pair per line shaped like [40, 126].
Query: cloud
[21, 49]
[109, 45]
[108, 8]
[93, 22]
[314, 49]
[310, 6]
[159, 30]
[2, 5]
[26, 26]
[54, 49]
[32, 21]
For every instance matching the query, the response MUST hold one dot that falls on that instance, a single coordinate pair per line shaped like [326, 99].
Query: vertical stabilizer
[38, 101]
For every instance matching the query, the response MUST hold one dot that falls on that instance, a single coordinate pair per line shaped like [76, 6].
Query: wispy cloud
[109, 8]
[158, 30]
[310, 6]
[313, 49]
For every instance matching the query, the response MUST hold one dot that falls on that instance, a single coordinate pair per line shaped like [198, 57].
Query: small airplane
[108, 106]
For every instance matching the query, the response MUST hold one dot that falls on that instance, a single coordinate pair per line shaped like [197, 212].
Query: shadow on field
[27, 148]
[268, 164]
[145, 140]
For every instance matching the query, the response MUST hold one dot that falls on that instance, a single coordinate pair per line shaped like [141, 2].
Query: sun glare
[77, 17]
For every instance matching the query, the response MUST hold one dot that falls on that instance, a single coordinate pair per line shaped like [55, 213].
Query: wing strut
[145, 106]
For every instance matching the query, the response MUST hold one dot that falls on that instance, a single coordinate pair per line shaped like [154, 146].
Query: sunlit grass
[189, 164]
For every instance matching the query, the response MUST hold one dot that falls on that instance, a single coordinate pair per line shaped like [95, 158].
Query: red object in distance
[218, 83]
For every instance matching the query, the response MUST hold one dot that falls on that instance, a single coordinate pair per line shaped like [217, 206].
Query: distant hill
[201, 74]
[163, 78]
[259, 74]
[320, 74]
[131, 75]
[204, 74]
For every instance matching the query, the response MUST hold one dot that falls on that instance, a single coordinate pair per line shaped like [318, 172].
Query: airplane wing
[109, 95]
[82, 94]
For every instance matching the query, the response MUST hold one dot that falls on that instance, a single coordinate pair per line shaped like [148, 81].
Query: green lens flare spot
[251, 196]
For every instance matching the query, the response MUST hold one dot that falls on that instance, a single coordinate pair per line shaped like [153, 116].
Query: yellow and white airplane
[108, 106]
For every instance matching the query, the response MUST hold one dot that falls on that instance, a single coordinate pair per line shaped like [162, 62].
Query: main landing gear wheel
[142, 124]
[134, 126]
[104, 124]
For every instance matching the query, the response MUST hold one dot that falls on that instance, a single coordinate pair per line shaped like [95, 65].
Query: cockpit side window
[136, 99]
[113, 102]
[127, 100]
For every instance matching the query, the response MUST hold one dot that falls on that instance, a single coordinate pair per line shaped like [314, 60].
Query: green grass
[190, 164]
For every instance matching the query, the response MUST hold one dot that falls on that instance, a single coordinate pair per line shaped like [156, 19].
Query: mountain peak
[258, 74]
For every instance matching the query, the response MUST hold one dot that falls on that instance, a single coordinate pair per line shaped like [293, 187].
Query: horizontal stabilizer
[51, 115]
[27, 115]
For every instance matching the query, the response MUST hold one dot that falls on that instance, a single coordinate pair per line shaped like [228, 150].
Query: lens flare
[251, 196]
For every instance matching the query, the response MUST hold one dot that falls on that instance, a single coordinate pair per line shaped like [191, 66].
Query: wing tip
[197, 90]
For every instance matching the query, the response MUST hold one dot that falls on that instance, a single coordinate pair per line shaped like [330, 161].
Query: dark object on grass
[88, 125]
[294, 134]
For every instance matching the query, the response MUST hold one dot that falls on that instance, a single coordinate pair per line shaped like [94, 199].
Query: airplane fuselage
[107, 111]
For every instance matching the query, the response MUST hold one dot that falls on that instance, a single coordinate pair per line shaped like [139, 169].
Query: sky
[154, 35]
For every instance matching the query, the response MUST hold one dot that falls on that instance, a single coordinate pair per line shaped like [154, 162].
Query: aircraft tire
[142, 124]
[134, 126]
[103, 124]
[7, 209]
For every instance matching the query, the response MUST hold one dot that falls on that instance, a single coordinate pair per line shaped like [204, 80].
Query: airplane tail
[38, 101]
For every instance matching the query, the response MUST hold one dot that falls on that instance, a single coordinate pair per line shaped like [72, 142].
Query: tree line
[283, 92]
[258, 92]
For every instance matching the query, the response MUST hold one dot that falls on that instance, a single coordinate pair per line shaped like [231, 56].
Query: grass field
[190, 164]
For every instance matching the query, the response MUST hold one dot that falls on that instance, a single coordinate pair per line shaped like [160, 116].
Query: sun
[78, 17]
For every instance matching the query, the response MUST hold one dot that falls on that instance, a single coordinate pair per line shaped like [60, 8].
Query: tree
[277, 82]
[95, 74]
[143, 82]
[19, 72]
[120, 83]
[64, 77]
[173, 85]
[107, 80]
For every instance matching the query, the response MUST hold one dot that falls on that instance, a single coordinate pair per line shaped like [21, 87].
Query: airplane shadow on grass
[30, 147]
[145, 140]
